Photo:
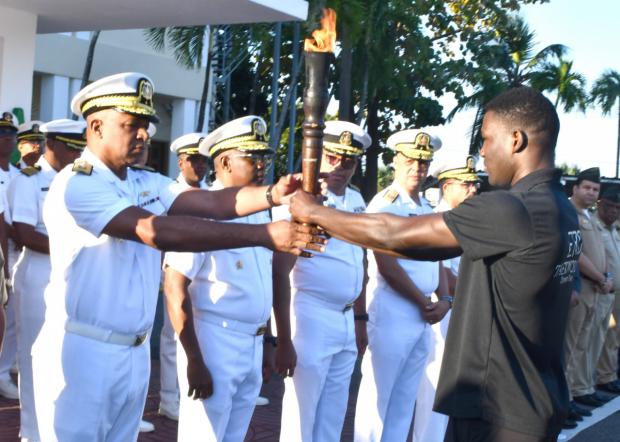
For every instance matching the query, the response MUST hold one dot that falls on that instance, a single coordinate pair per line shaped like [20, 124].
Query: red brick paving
[265, 425]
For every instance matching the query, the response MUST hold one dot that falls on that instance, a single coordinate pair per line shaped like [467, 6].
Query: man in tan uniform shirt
[583, 338]
[607, 218]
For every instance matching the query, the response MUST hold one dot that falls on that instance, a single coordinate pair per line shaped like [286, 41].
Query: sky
[591, 30]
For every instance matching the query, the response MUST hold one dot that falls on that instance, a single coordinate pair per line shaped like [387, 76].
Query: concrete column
[17, 45]
[74, 88]
[54, 97]
[183, 121]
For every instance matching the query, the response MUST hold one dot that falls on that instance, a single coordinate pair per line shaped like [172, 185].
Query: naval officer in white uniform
[192, 172]
[457, 182]
[26, 195]
[317, 331]
[106, 229]
[219, 302]
[399, 304]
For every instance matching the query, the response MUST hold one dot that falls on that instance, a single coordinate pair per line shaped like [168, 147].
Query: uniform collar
[99, 166]
[443, 206]
[536, 178]
[217, 185]
[405, 195]
[44, 164]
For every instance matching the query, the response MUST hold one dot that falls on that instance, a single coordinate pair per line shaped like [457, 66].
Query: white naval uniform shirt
[424, 274]
[6, 176]
[336, 275]
[183, 185]
[26, 195]
[97, 279]
[452, 263]
[234, 284]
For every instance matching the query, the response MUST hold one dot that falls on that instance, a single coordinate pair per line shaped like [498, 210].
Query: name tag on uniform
[359, 210]
[413, 214]
[44, 189]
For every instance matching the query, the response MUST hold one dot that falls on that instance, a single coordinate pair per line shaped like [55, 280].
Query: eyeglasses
[467, 184]
[409, 162]
[344, 161]
[257, 159]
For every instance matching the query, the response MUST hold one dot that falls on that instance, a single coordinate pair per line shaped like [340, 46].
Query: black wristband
[273, 340]
[269, 196]
[363, 317]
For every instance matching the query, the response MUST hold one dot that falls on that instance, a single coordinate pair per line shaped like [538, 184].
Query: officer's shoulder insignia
[391, 195]
[354, 187]
[30, 170]
[82, 166]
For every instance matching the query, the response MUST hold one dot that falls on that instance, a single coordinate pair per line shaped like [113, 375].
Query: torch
[318, 53]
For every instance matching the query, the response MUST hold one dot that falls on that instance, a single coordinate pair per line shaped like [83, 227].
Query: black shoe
[569, 424]
[589, 400]
[610, 387]
[574, 416]
[604, 398]
[582, 411]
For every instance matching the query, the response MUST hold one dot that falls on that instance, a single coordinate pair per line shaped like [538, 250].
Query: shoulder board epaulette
[354, 187]
[30, 170]
[82, 166]
[140, 167]
[391, 195]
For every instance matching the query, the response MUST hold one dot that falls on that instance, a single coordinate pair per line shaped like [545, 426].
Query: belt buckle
[261, 330]
[347, 307]
[140, 340]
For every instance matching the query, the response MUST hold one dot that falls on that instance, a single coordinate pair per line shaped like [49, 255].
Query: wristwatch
[448, 298]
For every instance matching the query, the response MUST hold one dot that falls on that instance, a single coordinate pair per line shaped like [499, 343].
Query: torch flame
[324, 39]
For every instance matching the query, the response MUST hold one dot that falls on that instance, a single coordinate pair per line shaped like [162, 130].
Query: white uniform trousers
[31, 275]
[235, 361]
[398, 345]
[169, 385]
[88, 390]
[428, 425]
[316, 397]
[8, 355]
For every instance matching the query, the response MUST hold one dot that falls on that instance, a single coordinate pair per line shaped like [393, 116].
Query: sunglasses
[257, 159]
[344, 161]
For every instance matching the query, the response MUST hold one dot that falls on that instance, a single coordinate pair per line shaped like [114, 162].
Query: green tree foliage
[606, 93]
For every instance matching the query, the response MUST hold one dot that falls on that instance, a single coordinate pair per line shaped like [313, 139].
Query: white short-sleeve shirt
[452, 263]
[336, 275]
[27, 193]
[97, 279]
[425, 274]
[234, 284]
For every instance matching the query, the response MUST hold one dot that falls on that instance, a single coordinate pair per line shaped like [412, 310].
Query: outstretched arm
[425, 237]
[234, 202]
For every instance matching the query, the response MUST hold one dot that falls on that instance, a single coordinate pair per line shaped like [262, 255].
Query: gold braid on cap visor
[31, 136]
[461, 174]
[72, 143]
[191, 149]
[124, 103]
[342, 149]
[412, 150]
[246, 142]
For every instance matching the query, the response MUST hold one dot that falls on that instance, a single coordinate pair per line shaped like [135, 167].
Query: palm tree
[568, 85]
[606, 92]
[508, 63]
[187, 45]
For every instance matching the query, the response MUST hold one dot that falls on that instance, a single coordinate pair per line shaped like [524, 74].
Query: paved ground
[266, 421]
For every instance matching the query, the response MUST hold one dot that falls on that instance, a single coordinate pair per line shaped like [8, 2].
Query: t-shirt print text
[566, 269]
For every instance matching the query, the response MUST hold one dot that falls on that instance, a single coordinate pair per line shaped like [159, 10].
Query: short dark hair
[529, 109]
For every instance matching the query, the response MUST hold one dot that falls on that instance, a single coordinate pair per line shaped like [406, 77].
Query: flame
[324, 39]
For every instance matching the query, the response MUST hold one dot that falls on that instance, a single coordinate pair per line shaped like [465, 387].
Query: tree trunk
[204, 98]
[89, 61]
[364, 95]
[345, 105]
[618, 141]
[369, 188]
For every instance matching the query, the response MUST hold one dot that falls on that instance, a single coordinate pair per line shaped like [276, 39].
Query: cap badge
[259, 127]
[471, 165]
[7, 116]
[346, 138]
[145, 92]
[423, 140]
